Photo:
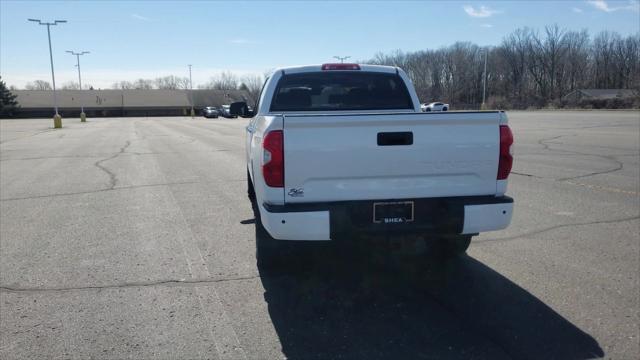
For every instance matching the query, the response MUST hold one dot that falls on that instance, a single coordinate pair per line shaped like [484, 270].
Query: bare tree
[172, 82]
[70, 85]
[122, 85]
[252, 84]
[224, 81]
[143, 84]
[38, 85]
[526, 69]
[577, 60]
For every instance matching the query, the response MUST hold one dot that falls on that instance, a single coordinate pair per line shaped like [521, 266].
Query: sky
[148, 39]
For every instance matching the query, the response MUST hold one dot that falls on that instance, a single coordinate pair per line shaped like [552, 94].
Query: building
[98, 103]
[600, 94]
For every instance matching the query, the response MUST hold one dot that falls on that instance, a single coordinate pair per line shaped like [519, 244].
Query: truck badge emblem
[296, 192]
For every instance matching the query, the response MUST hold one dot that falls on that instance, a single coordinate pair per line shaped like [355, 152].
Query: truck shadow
[347, 303]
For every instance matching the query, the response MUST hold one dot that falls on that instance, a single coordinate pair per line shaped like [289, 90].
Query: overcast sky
[148, 39]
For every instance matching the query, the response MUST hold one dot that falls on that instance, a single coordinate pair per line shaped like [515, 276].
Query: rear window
[341, 90]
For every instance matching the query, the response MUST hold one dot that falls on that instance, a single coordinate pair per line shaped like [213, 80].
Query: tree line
[226, 80]
[529, 68]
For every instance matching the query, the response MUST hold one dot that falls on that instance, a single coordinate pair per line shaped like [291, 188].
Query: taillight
[340, 66]
[506, 158]
[273, 159]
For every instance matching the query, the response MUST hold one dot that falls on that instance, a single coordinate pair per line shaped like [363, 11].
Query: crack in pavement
[546, 145]
[589, 186]
[168, 282]
[102, 155]
[559, 226]
[101, 190]
[619, 167]
[112, 176]
[528, 175]
[122, 188]
[603, 188]
[597, 126]
[28, 136]
[55, 157]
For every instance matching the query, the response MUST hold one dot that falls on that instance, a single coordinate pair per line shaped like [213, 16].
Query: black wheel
[268, 256]
[428, 109]
[444, 109]
[455, 245]
[273, 255]
[251, 193]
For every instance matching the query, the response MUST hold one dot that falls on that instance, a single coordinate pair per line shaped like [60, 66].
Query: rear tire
[251, 193]
[427, 110]
[445, 109]
[455, 245]
[281, 256]
[270, 253]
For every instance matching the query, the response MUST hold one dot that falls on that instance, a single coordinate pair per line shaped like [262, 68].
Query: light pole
[341, 58]
[484, 80]
[83, 116]
[191, 92]
[57, 119]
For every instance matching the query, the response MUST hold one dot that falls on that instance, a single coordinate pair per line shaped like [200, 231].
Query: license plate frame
[393, 212]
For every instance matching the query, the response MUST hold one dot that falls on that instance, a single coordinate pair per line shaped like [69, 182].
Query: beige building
[39, 103]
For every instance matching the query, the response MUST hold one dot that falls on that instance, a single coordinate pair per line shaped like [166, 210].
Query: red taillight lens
[506, 159]
[340, 66]
[273, 159]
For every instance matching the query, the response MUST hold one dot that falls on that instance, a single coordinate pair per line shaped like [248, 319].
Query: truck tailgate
[378, 156]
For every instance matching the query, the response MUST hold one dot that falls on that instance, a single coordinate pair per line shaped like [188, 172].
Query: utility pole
[83, 116]
[191, 92]
[342, 58]
[57, 119]
[484, 79]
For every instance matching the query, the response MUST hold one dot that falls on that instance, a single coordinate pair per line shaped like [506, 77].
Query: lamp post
[191, 92]
[83, 116]
[484, 79]
[342, 58]
[57, 119]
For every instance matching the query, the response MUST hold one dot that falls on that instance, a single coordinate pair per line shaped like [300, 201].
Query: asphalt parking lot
[133, 238]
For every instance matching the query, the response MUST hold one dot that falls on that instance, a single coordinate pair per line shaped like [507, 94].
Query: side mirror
[240, 108]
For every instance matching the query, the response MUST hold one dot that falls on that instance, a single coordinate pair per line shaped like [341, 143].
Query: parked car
[210, 112]
[224, 111]
[314, 173]
[435, 106]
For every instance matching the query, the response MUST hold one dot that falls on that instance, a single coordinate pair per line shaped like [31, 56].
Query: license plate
[397, 212]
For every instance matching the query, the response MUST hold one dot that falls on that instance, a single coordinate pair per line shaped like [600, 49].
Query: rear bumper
[335, 220]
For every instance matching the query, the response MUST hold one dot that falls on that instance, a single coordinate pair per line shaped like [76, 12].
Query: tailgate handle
[395, 138]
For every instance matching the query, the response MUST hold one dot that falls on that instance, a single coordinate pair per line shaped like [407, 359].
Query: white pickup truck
[337, 150]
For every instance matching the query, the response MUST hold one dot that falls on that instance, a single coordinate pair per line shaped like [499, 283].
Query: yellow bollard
[57, 121]
[83, 117]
